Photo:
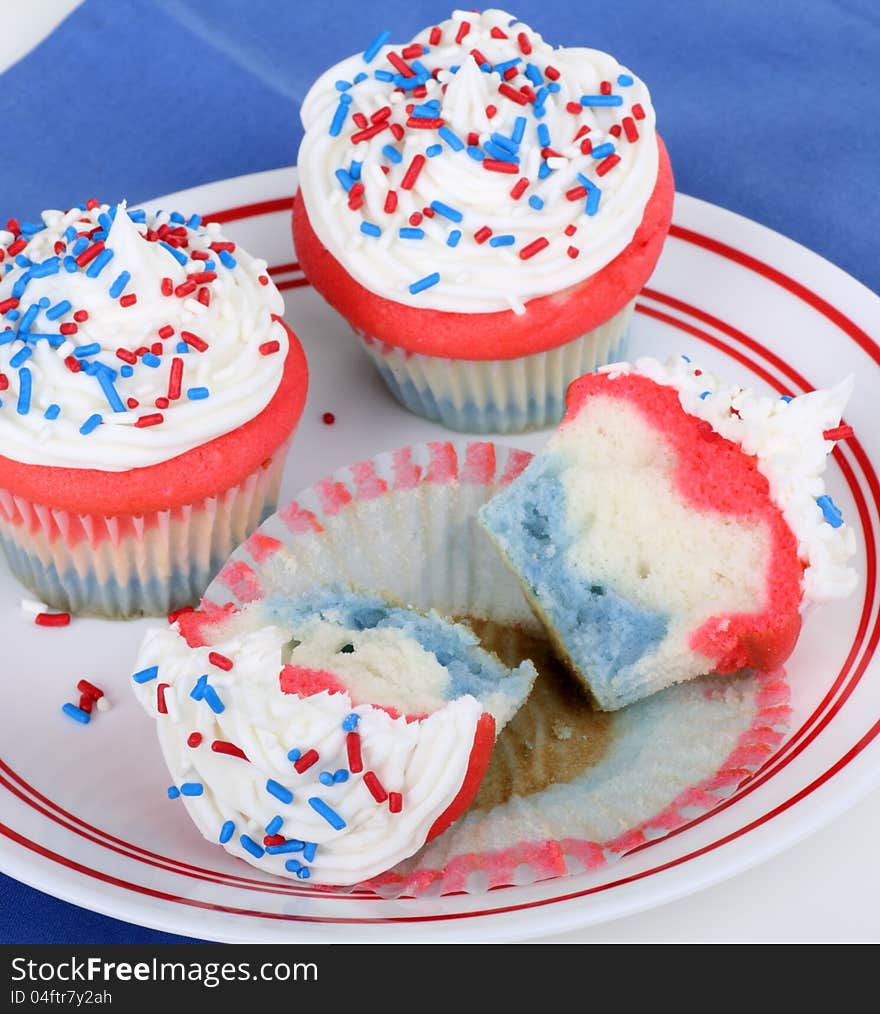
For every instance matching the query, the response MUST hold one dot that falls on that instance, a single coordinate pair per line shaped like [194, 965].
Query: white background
[827, 888]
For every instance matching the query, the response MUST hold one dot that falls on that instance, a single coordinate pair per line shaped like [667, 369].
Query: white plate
[82, 808]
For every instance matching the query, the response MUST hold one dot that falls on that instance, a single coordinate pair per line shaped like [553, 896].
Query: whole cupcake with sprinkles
[149, 391]
[483, 209]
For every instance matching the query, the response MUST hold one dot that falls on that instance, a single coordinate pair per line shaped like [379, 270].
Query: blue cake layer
[603, 634]
[472, 670]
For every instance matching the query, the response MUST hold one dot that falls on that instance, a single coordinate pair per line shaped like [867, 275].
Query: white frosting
[240, 379]
[786, 439]
[425, 761]
[474, 277]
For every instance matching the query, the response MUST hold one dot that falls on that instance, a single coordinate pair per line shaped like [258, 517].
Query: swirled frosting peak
[128, 338]
[477, 167]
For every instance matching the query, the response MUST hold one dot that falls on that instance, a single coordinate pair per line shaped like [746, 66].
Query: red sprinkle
[511, 93]
[221, 661]
[510, 73]
[607, 164]
[615, 131]
[425, 123]
[497, 166]
[267, 348]
[524, 45]
[88, 255]
[529, 93]
[586, 146]
[161, 402]
[273, 839]
[194, 739]
[576, 193]
[353, 748]
[193, 340]
[415, 218]
[570, 230]
[573, 252]
[184, 289]
[842, 432]
[161, 704]
[84, 687]
[69, 328]
[605, 88]
[519, 188]
[400, 65]
[412, 173]
[156, 348]
[428, 212]
[128, 300]
[481, 235]
[52, 619]
[551, 72]
[132, 403]
[85, 704]
[584, 130]
[74, 365]
[365, 135]
[262, 279]
[638, 112]
[328, 418]
[199, 255]
[309, 758]
[479, 57]
[491, 111]
[4, 382]
[536, 246]
[381, 114]
[149, 420]
[17, 246]
[473, 139]
[167, 287]
[573, 107]
[8, 304]
[398, 131]
[630, 129]
[395, 802]
[165, 332]
[360, 120]
[435, 36]
[390, 202]
[230, 749]
[126, 356]
[463, 29]
[497, 33]
[375, 786]
[411, 52]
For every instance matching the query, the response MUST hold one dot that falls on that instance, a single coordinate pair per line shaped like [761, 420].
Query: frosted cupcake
[676, 526]
[149, 391]
[483, 209]
[327, 737]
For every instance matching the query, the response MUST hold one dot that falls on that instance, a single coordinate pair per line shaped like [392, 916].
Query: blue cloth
[767, 109]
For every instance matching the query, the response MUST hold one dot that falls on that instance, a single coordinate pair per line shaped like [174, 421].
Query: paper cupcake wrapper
[133, 565]
[567, 789]
[501, 395]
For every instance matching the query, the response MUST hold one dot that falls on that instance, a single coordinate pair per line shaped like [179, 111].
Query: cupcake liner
[499, 395]
[132, 565]
[567, 788]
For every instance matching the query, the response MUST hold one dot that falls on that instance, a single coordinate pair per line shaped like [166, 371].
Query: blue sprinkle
[59, 309]
[52, 412]
[32, 228]
[454, 142]
[150, 360]
[354, 170]
[408, 233]
[137, 216]
[126, 371]
[325, 778]
[81, 244]
[500, 68]
[361, 76]
[425, 283]
[209, 265]
[105, 221]
[173, 792]
[323, 810]
[433, 150]
[7, 336]
[594, 194]
[544, 171]
[426, 111]
[339, 118]
[833, 514]
[110, 393]
[786, 398]
[226, 832]
[536, 202]
[145, 675]
[192, 789]
[345, 180]
[601, 100]
[182, 348]
[502, 240]
[70, 265]
[84, 351]
[443, 209]
[293, 865]
[540, 99]
[351, 722]
[538, 111]
[303, 873]
[502, 154]
[197, 393]
[624, 80]
[293, 755]
[175, 217]
[309, 851]
[28, 318]
[24, 262]
[194, 221]
[343, 86]
[372, 51]
[340, 776]
[603, 150]
[369, 229]
[687, 359]
[99, 263]
[475, 153]
[212, 699]
[21, 357]
[533, 73]
[274, 825]
[705, 395]
[70, 234]
[383, 75]
[76, 713]
[22, 284]
[554, 87]
[227, 259]
[279, 791]
[544, 135]
[180, 257]
[249, 845]
[392, 154]
[291, 845]
[91, 424]
[45, 269]
[118, 287]
[198, 691]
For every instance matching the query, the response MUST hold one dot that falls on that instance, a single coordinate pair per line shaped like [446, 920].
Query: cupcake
[676, 526]
[149, 392]
[483, 209]
[325, 737]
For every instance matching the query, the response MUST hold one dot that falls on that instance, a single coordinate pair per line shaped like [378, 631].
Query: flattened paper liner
[568, 789]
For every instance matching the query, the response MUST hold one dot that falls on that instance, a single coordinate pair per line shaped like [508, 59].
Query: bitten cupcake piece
[674, 526]
[329, 737]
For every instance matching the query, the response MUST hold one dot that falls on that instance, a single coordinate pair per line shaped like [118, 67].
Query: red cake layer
[715, 475]
[203, 472]
[549, 321]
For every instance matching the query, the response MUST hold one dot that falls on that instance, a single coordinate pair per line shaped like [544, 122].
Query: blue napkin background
[768, 109]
